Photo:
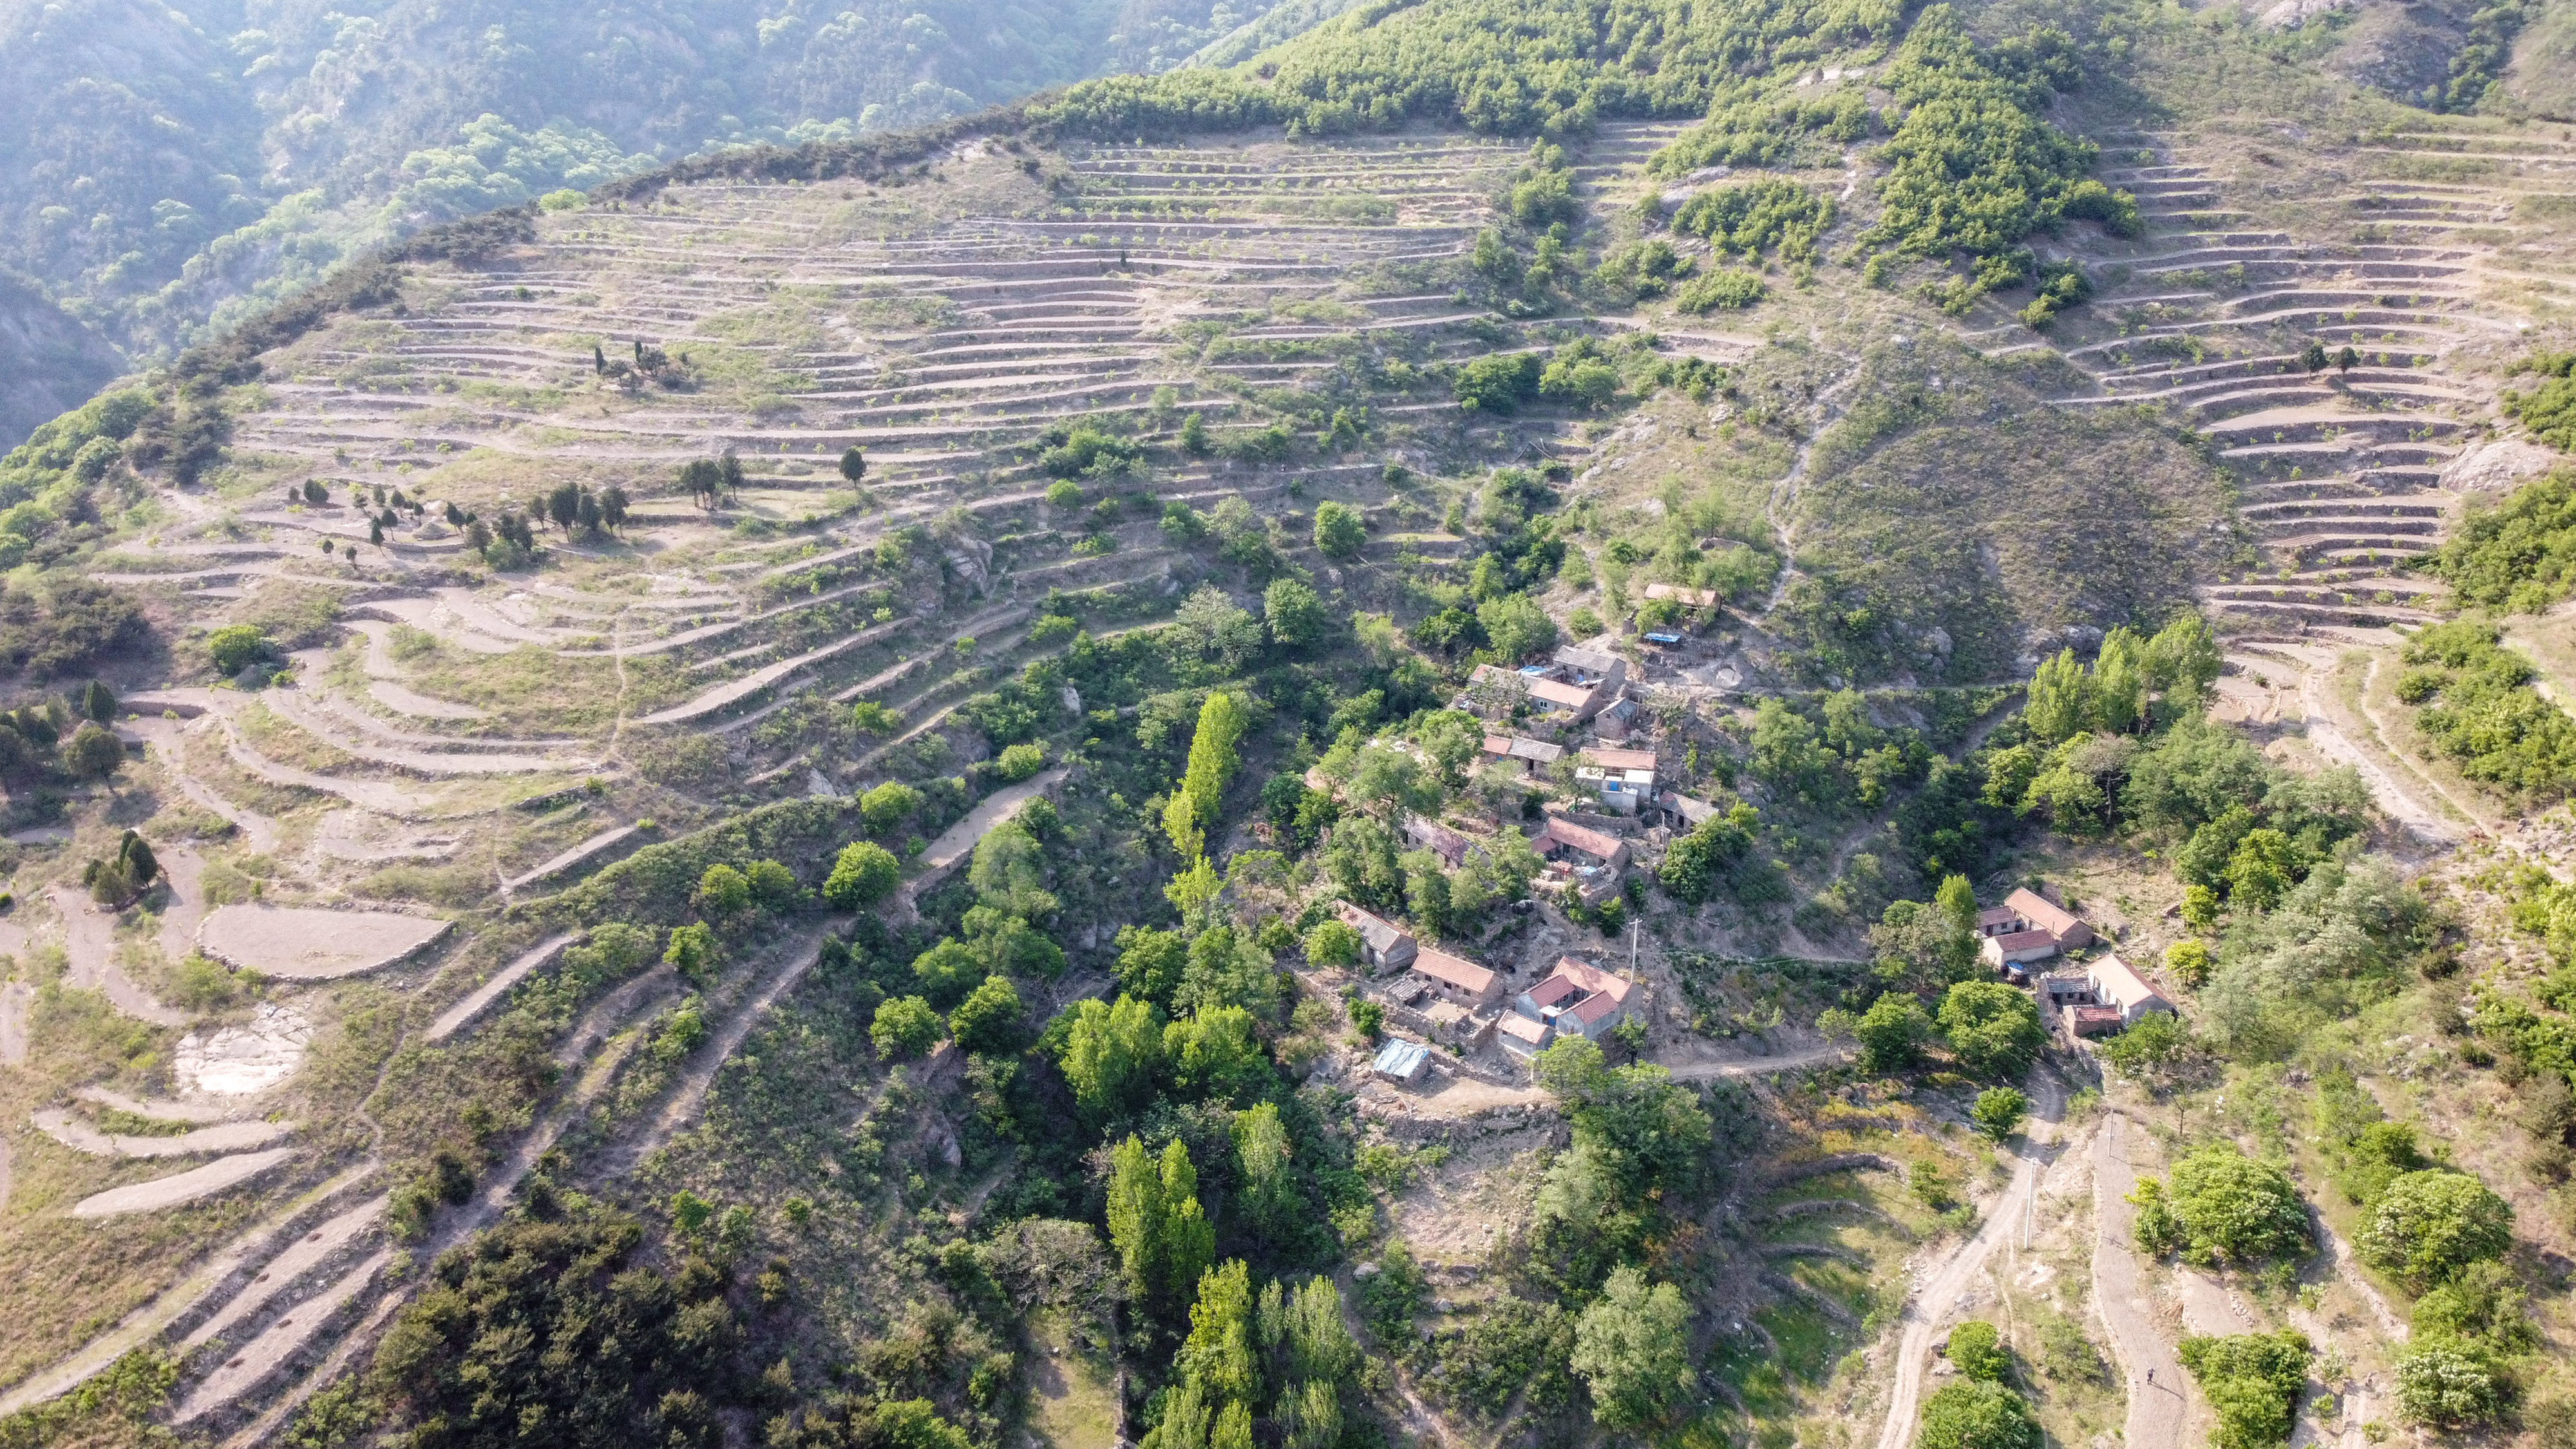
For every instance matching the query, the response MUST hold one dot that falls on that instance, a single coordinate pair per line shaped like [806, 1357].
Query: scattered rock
[2291, 13]
[2493, 466]
[237, 1061]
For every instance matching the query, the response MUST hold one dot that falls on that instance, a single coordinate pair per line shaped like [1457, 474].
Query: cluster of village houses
[1437, 998]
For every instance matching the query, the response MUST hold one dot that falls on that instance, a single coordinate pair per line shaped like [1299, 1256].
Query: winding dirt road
[1927, 1311]
[2159, 1410]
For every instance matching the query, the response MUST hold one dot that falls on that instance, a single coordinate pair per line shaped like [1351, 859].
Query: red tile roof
[1592, 978]
[2043, 913]
[1593, 1008]
[1551, 991]
[1590, 842]
[1464, 974]
[1620, 759]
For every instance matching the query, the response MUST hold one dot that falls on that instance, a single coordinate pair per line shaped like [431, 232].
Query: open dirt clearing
[300, 944]
[89, 938]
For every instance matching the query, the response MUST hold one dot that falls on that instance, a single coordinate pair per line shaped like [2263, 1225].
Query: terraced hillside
[736, 516]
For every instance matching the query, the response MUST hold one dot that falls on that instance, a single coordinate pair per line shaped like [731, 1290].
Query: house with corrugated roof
[1402, 1061]
[1437, 838]
[1383, 943]
[2116, 986]
[1527, 755]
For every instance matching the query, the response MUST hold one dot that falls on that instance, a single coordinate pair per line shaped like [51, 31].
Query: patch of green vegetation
[2477, 703]
[1756, 217]
[2518, 556]
[1551, 68]
[1972, 169]
[2252, 1381]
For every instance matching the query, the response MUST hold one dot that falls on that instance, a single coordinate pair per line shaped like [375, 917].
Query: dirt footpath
[1928, 1309]
[2158, 1411]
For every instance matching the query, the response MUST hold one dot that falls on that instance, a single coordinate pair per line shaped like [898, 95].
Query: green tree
[772, 885]
[888, 805]
[1645, 1128]
[2427, 1226]
[1891, 1034]
[1219, 1355]
[1294, 614]
[1110, 1053]
[854, 464]
[2221, 1207]
[2181, 662]
[1977, 1415]
[2149, 1050]
[2061, 704]
[1340, 532]
[2120, 682]
[236, 647]
[1008, 873]
[692, 952]
[1497, 383]
[1214, 1053]
[2252, 1382]
[864, 874]
[2451, 1383]
[1227, 967]
[93, 752]
[904, 1027]
[1261, 1158]
[2189, 962]
[2263, 867]
[948, 971]
[1632, 1349]
[1163, 1240]
[1516, 627]
[1994, 1029]
[988, 1020]
[1193, 807]
[1998, 1112]
[1976, 1350]
[1920, 947]
[97, 702]
[723, 891]
[1020, 761]
[1150, 962]
[1331, 943]
[1695, 865]
[1307, 1323]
